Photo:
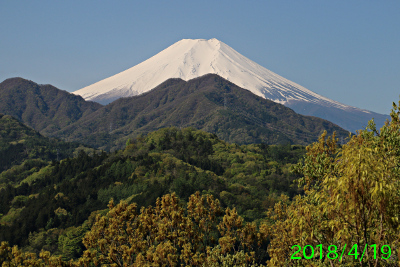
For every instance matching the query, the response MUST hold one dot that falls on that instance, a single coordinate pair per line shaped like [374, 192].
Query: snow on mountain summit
[191, 58]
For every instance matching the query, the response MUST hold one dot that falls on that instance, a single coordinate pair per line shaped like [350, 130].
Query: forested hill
[209, 103]
[42, 107]
[49, 207]
[245, 209]
[22, 148]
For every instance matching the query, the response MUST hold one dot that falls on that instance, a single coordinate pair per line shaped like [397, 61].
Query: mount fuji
[188, 59]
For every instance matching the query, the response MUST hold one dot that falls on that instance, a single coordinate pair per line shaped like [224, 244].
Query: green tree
[70, 242]
[351, 197]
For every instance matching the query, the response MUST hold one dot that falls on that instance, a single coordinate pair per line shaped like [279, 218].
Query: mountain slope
[20, 144]
[188, 59]
[42, 107]
[350, 118]
[48, 213]
[209, 103]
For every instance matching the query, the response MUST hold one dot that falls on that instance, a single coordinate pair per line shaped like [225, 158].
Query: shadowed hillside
[23, 150]
[42, 107]
[209, 103]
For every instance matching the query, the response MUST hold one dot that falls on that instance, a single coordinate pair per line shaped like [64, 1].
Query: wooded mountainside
[23, 147]
[209, 103]
[45, 108]
[43, 206]
[186, 197]
[175, 196]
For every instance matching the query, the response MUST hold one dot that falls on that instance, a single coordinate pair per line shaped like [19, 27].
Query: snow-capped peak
[191, 58]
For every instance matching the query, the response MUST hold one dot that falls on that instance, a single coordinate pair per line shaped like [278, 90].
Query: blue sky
[348, 51]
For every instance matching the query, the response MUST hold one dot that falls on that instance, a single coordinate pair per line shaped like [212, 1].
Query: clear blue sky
[346, 50]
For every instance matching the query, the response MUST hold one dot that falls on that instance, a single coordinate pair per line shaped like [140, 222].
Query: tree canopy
[346, 215]
[351, 197]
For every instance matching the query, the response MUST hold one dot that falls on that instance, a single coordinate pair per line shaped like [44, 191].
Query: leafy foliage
[351, 197]
[24, 151]
[63, 194]
[167, 234]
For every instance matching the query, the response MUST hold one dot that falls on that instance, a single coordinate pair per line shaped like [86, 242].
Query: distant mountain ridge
[42, 107]
[188, 59]
[208, 103]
